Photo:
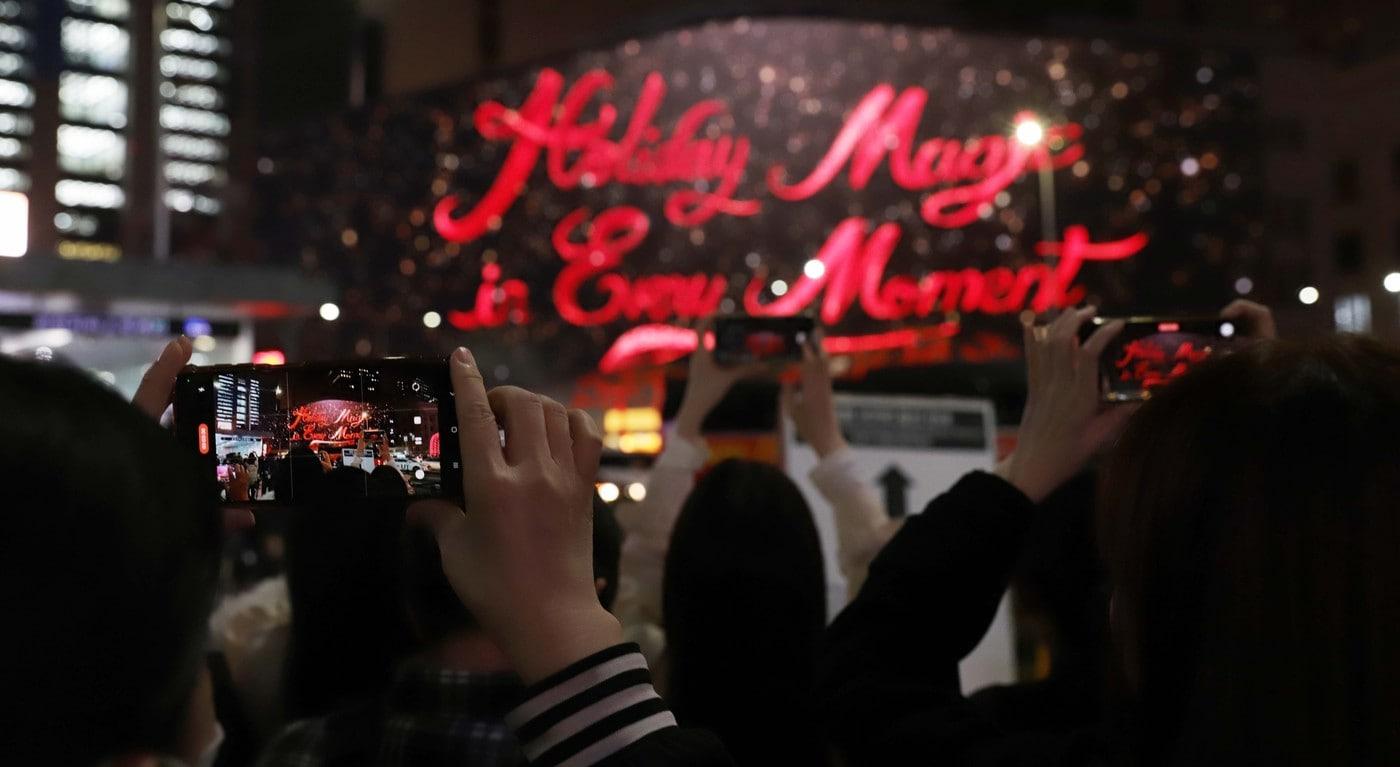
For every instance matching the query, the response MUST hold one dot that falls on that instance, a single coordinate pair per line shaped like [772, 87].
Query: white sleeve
[863, 526]
[648, 528]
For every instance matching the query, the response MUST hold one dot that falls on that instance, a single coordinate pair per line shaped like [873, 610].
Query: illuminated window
[193, 174]
[197, 96]
[195, 43]
[88, 194]
[95, 44]
[91, 151]
[12, 180]
[92, 99]
[184, 201]
[1352, 313]
[193, 120]
[13, 94]
[193, 148]
[14, 224]
[10, 9]
[12, 64]
[191, 68]
[12, 36]
[116, 10]
[196, 16]
[16, 124]
[11, 148]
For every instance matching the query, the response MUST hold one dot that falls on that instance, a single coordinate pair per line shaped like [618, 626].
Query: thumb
[442, 518]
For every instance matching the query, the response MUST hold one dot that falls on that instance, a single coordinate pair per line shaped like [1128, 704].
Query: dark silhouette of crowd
[1214, 571]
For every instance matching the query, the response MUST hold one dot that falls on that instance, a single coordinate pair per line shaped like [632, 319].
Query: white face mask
[211, 751]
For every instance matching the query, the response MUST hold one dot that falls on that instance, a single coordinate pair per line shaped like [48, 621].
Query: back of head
[1249, 521]
[348, 625]
[110, 558]
[744, 606]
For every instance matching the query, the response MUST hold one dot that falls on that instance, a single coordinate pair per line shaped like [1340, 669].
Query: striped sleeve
[591, 710]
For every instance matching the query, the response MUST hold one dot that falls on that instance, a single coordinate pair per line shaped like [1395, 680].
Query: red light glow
[269, 357]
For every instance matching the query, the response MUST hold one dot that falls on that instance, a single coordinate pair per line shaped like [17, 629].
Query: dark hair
[111, 557]
[744, 602]
[1250, 524]
[348, 627]
[386, 482]
[436, 612]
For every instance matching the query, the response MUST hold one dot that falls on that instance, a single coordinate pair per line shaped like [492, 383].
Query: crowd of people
[1217, 565]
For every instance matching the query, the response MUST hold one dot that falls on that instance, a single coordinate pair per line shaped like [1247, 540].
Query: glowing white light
[10, 147]
[1309, 295]
[779, 288]
[193, 120]
[419, 474]
[637, 492]
[14, 180]
[198, 96]
[1352, 313]
[193, 147]
[13, 36]
[814, 269]
[1392, 282]
[193, 174]
[1030, 132]
[184, 201]
[117, 10]
[191, 68]
[14, 224]
[88, 194]
[95, 44]
[608, 492]
[330, 312]
[431, 319]
[14, 94]
[185, 41]
[1227, 329]
[12, 64]
[1190, 166]
[1244, 285]
[91, 151]
[16, 124]
[93, 99]
[205, 343]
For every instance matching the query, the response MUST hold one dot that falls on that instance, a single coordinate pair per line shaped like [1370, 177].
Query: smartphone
[273, 433]
[1151, 351]
[741, 340]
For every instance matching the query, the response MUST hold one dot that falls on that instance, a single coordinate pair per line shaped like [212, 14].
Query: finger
[556, 426]
[478, 433]
[1032, 346]
[1101, 338]
[1258, 319]
[521, 414]
[153, 394]
[442, 518]
[587, 445]
[1066, 326]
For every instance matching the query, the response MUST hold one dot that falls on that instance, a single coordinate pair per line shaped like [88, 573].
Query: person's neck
[472, 653]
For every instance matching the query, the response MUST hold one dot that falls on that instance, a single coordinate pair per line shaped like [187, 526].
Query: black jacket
[888, 680]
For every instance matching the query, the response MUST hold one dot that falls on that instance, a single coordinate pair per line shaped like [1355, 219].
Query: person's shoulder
[299, 744]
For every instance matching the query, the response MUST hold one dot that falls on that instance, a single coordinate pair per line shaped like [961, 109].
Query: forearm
[863, 525]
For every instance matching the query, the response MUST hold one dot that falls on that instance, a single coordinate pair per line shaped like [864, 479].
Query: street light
[1392, 282]
[1030, 133]
[1308, 295]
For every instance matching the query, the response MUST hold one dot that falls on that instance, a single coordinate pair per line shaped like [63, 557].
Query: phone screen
[741, 340]
[1152, 351]
[272, 434]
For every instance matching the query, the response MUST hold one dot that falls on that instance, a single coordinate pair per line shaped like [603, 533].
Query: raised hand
[707, 383]
[1065, 421]
[1257, 319]
[520, 555]
[153, 394]
[811, 405]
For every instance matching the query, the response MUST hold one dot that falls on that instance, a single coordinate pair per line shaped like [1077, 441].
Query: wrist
[826, 444]
[561, 638]
[1022, 475]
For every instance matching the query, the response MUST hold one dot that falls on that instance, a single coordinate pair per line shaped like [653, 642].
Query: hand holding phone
[1152, 351]
[743, 340]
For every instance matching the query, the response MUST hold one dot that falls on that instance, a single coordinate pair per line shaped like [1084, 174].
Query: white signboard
[910, 449]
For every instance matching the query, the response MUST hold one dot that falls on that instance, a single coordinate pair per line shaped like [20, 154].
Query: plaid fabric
[430, 716]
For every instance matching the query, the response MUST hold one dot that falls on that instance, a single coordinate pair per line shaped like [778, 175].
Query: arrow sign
[896, 486]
